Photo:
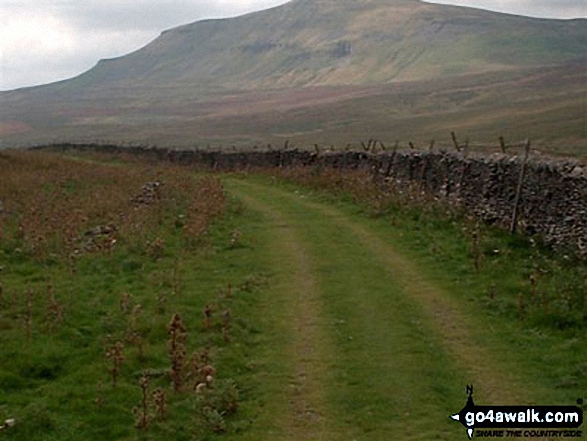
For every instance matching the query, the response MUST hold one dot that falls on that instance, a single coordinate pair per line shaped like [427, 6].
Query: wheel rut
[451, 324]
[310, 349]
[387, 329]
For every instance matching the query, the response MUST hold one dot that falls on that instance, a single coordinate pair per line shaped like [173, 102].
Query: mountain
[332, 42]
[339, 49]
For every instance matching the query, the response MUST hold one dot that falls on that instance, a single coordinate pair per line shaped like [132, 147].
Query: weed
[492, 291]
[226, 325]
[176, 346]
[155, 248]
[114, 355]
[28, 313]
[142, 416]
[134, 317]
[161, 302]
[160, 402]
[478, 257]
[235, 239]
[175, 279]
[70, 225]
[134, 338]
[54, 309]
[207, 316]
[533, 288]
[521, 307]
[125, 301]
[100, 394]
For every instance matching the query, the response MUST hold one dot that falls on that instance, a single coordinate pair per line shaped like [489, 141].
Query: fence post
[514, 224]
[502, 144]
[453, 135]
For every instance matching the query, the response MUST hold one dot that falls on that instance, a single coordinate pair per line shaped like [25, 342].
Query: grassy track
[340, 326]
[377, 352]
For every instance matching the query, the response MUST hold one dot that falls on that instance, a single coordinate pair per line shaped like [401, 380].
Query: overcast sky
[48, 40]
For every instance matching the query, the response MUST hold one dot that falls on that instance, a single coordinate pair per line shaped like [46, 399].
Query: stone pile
[148, 195]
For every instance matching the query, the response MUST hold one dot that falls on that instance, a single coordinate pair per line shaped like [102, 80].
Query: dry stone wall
[553, 198]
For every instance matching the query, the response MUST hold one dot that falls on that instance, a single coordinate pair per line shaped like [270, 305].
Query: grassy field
[286, 305]
[95, 263]
[546, 105]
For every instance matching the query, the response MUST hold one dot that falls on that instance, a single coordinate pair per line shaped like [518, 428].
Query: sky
[42, 41]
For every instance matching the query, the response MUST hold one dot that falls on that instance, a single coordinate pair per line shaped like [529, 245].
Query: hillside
[327, 42]
[340, 50]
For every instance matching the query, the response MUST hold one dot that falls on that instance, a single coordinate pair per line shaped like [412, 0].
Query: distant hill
[327, 42]
[332, 44]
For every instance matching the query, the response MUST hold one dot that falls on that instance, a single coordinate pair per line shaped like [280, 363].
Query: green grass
[49, 381]
[328, 317]
[549, 342]
[385, 343]
[55, 379]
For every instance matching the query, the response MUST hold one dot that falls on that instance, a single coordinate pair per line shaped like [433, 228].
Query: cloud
[534, 8]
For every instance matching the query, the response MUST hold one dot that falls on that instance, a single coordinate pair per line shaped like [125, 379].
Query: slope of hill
[326, 42]
[342, 48]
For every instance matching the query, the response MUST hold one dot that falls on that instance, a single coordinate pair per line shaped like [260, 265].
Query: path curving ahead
[374, 351]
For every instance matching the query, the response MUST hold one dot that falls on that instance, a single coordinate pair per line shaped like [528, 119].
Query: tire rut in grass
[382, 372]
[495, 383]
[308, 416]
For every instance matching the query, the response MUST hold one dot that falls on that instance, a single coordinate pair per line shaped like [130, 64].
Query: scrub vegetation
[142, 300]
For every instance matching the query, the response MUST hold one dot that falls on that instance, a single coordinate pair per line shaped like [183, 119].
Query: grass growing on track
[545, 340]
[387, 372]
[389, 375]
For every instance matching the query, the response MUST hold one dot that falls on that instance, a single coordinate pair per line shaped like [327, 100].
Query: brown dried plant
[72, 210]
[533, 287]
[134, 317]
[160, 402]
[521, 306]
[175, 279]
[134, 338]
[235, 239]
[54, 309]
[226, 325]
[28, 313]
[142, 415]
[125, 301]
[161, 302]
[476, 251]
[177, 351]
[114, 355]
[207, 311]
[491, 293]
[100, 392]
[201, 372]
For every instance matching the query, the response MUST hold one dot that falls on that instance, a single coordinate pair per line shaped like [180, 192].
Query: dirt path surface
[310, 349]
[377, 352]
[444, 314]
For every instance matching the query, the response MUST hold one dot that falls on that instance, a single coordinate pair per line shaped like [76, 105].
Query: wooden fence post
[502, 144]
[453, 135]
[514, 224]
